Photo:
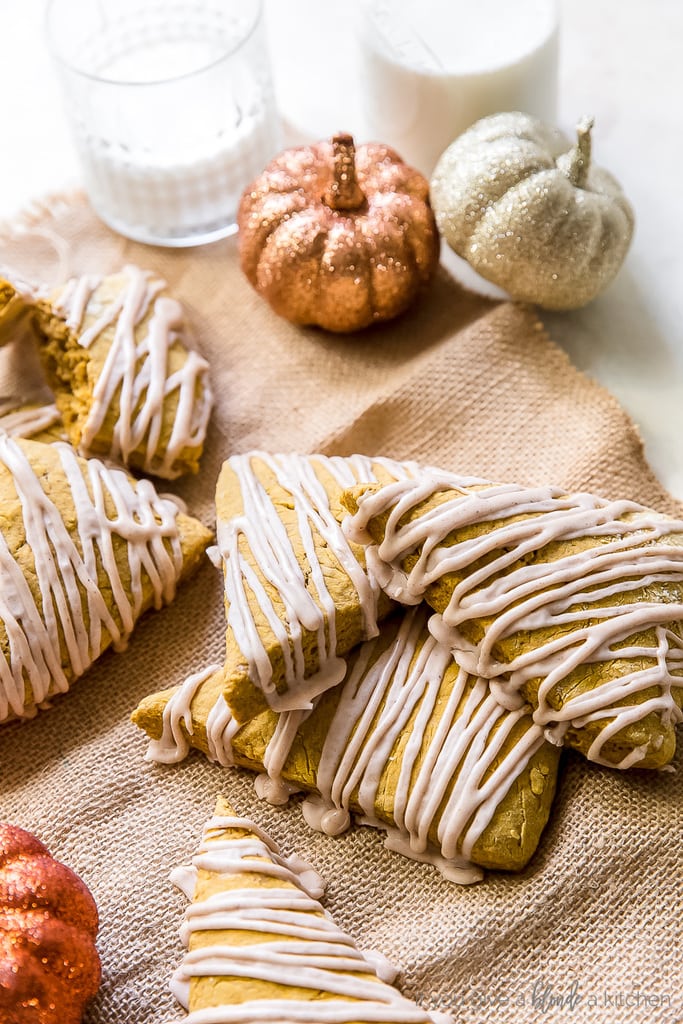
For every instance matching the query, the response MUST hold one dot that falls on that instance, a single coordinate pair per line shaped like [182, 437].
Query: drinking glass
[431, 68]
[172, 110]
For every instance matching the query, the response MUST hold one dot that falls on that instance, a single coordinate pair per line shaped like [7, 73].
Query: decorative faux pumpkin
[530, 212]
[337, 236]
[49, 967]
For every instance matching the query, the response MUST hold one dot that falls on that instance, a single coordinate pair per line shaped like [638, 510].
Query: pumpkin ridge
[23, 889]
[497, 190]
[278, 281]
[250, 255]
[606, 236]
[423, 255]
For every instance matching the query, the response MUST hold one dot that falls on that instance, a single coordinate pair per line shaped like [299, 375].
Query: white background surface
[621, 60]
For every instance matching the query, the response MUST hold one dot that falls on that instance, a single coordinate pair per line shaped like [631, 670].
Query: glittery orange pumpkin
[337, 236]
[49, 967]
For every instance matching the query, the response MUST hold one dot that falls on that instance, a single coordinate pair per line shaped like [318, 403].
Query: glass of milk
[431, 68]
[172, 110]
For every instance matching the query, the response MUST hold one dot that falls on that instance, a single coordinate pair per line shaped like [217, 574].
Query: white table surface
[621, 60]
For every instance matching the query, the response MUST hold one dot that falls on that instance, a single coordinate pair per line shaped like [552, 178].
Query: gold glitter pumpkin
[337, 236]
[49, 967]
[529, 211]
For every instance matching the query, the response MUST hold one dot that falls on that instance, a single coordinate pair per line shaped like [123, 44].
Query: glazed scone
[571, 601]
[407, 741]
[260, 947]
[85, 550]
[297, 595]
[128, 383]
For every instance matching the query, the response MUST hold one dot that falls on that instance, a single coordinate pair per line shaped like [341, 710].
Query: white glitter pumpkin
[529, 211]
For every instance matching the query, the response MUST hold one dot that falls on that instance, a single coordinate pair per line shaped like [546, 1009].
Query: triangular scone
[261, 947]
[127, 381]
[297, 595]
[408, 741]
[84, 550]
[572, 600]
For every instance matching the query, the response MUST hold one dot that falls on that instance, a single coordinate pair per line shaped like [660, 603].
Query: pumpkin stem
[344, 193]
[580, 154]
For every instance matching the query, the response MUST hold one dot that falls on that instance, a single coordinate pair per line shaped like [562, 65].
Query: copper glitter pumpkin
[337, 236]
[49, 967]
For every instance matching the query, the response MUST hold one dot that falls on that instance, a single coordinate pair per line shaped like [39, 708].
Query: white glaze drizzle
[376, 704]
[29, 421]
[305, 948]
[49, 639]
[174, 745]
[136, 373]
[308, 604]
[631, 551]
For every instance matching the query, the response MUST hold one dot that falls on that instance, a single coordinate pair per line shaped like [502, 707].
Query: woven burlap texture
[593, 930]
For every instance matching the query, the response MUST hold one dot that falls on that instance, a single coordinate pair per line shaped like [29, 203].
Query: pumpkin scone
[569, 601]
[261, 948]
[408, 741]
[127, 381]
[84, 550]
[297, 595]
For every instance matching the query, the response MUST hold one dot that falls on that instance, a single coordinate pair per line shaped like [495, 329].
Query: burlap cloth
[593, 930]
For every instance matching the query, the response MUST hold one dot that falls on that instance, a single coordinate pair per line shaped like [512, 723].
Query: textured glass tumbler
[171, 107]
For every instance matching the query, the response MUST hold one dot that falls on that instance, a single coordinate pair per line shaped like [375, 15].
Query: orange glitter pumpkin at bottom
[49, 967]
[338, 237]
